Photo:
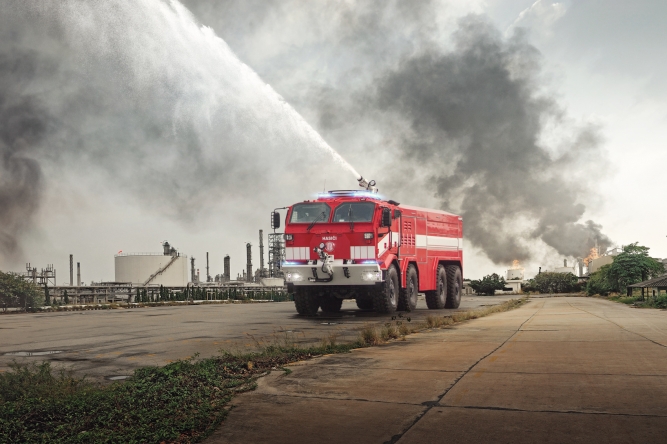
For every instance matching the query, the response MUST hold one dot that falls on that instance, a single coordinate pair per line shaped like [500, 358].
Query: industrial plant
[168, 271]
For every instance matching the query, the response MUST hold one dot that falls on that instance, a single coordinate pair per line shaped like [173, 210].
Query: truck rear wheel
[307, 302]
[331, 304]
[454, 285]
[407, 300]
[385, 298]
[437, 298]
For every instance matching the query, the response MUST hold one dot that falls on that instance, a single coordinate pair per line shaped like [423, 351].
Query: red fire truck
[356, 245]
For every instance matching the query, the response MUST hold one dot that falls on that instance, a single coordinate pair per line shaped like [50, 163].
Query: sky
[122, 126]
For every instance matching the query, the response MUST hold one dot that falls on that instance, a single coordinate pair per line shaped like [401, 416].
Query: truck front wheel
[307, 302]
[385, 298]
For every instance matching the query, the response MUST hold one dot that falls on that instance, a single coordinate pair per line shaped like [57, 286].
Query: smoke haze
[143, 96]
[475, 115]
[439, 110]
[444, 101]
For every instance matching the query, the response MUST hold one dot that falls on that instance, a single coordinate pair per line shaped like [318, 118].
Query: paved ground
[111, 343]
[555, 370]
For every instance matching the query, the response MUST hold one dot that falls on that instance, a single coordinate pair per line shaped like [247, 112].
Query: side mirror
[386, 217]
[275, 220]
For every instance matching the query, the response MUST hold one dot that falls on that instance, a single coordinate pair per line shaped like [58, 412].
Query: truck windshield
[354, 212]
[309, 212]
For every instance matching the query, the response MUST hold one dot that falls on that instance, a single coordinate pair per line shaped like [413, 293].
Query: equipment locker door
[408, 236]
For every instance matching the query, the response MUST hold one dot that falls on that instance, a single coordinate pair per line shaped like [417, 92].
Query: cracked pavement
[554, 370]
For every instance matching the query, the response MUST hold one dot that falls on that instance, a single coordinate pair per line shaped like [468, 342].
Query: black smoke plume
[475, 117]
[23, 123]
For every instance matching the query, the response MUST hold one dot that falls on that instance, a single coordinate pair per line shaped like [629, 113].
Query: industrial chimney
[78, 274]
[208, 275]
[71, 270]
[249, 262]
[565, 263]
[192, 269]
[261, 253]
[226, 273]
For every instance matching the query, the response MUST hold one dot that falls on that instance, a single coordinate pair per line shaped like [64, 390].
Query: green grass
[400, 326]
[180, 402]
[647, 302]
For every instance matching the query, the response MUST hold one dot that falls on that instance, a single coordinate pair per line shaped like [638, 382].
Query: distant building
[511, 287]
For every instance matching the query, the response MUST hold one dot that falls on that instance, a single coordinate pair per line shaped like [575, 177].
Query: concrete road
[555, 370]
[112, 343]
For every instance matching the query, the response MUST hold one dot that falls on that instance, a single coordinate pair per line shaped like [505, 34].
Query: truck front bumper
[343, 274]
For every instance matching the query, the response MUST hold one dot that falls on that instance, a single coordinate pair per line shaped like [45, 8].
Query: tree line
[629, 267]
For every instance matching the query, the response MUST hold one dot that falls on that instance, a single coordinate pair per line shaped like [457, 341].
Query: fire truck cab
[357, 245]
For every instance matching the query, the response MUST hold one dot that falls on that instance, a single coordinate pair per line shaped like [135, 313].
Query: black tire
[365, 303]
[331, 304]
[307, 302]
[454, 286]
[407, 300]
[385, 298]
[436, 299]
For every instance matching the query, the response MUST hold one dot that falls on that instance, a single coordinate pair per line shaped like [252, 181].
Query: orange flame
[516, 265]
[593, 255]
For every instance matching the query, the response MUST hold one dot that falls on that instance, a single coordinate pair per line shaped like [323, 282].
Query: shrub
[18, 292]
[488, 284]
[599, 282]
[369, 335]
[389, 331]
[551, 282]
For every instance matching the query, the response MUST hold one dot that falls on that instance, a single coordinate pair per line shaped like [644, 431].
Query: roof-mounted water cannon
[369, 186]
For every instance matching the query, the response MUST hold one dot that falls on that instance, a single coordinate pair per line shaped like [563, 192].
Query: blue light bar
[352, 193]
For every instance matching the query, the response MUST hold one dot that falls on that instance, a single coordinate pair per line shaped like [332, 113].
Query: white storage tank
[515, 274]
[597, 263]
[152, 269]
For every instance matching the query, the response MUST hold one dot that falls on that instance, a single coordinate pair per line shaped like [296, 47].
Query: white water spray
[158, 44]
[139, 96]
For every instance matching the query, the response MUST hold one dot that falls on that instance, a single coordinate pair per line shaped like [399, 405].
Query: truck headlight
[368, 235]
[293, 277]
[289, 237]
[371, 275]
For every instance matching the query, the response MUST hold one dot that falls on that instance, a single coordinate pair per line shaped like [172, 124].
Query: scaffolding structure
[46, 276]
[276, 254]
